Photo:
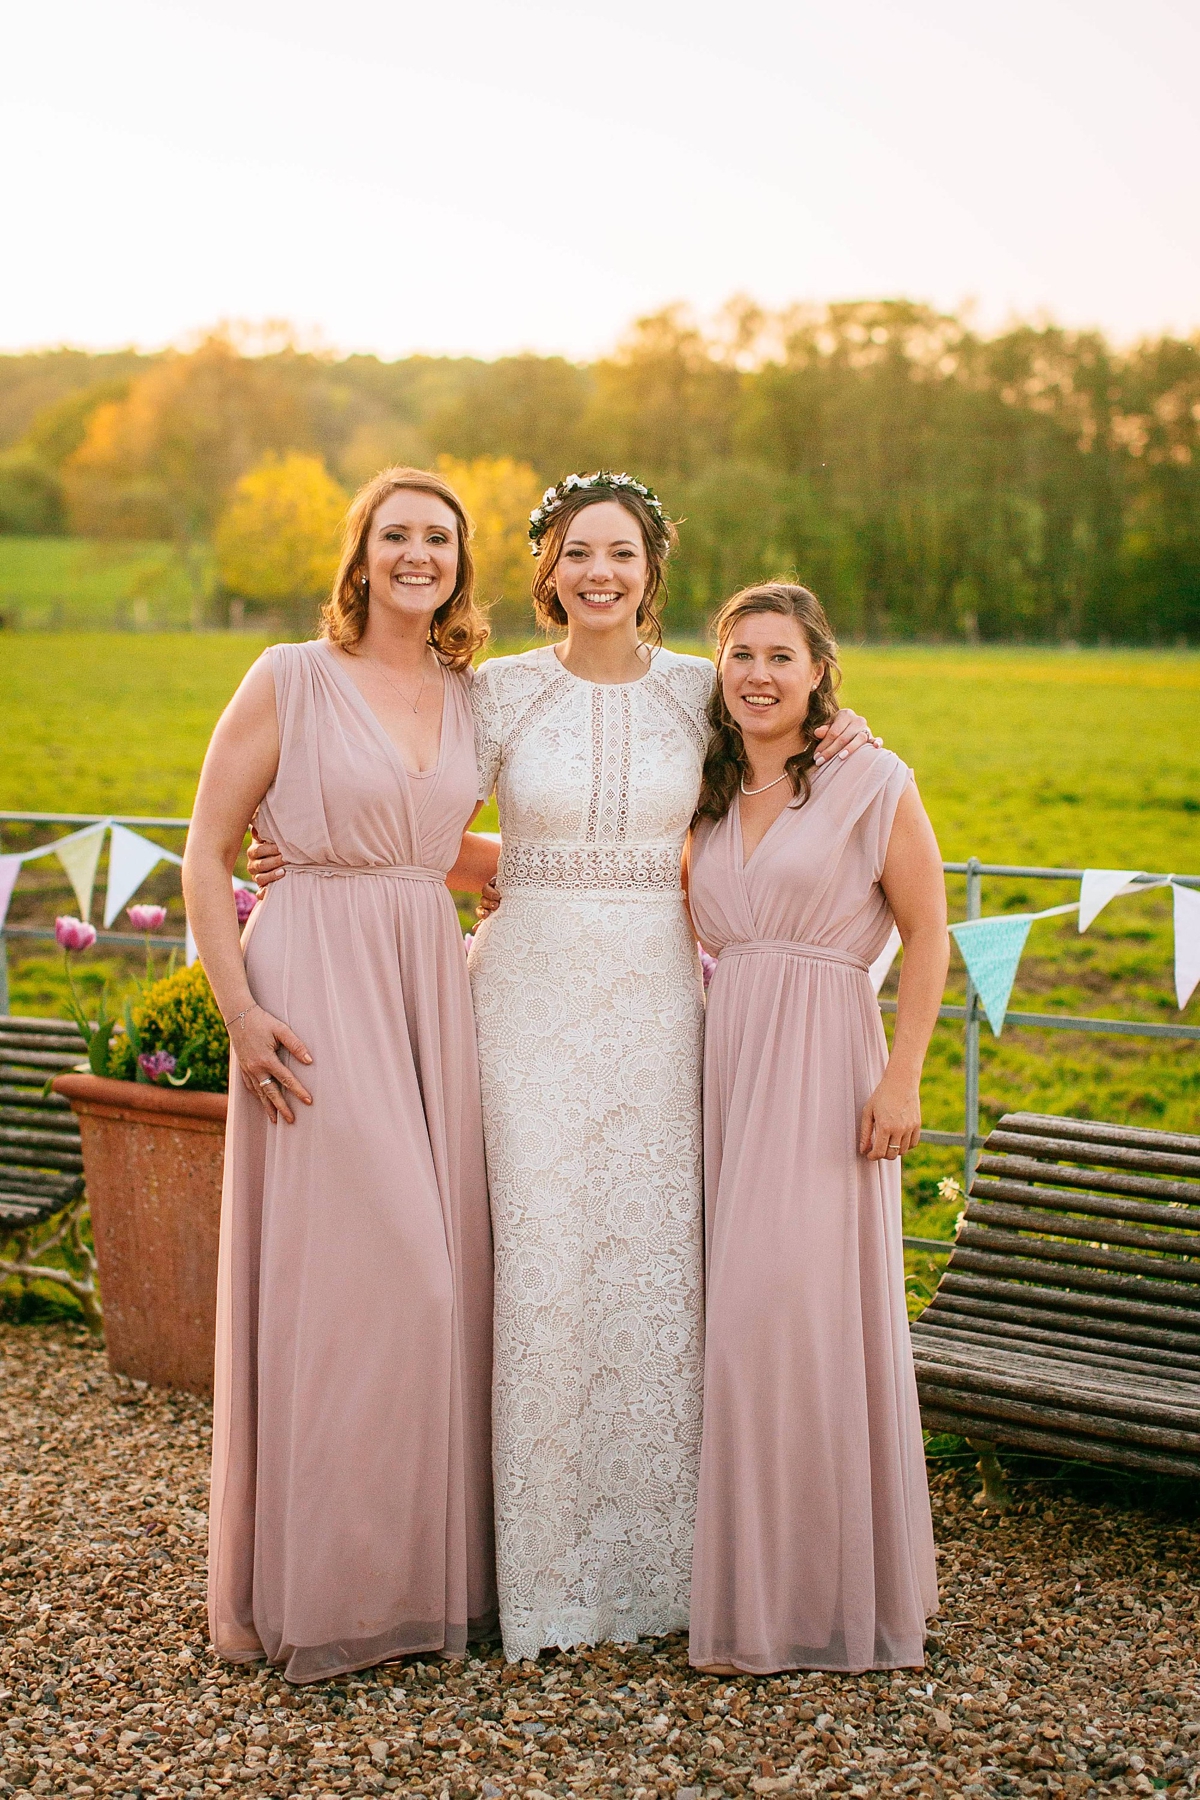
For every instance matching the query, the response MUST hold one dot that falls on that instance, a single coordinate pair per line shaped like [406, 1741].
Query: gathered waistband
[407, 871]
[788, 947]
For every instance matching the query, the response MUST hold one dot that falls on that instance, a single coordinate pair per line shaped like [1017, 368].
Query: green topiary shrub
[178, 1015]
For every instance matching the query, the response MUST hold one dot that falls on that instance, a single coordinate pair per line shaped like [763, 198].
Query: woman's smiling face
[767, 677]
[601, 572]
[412, 553]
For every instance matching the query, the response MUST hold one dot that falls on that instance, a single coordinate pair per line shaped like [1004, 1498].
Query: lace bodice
[596, 784]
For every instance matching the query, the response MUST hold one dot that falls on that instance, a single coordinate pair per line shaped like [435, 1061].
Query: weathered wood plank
[1127, 1358]
[1102, 1181]
[993, 1213]
[35, 1137]
[998, 1283]
[1111, 1156]
[1170, 1216]
[1146, 1399]
[42, 1159]
[958, 1397]
[1067, 1328]
[1061, 1445]
[1179, 1281]
[32, 1096]
[1099, 1131]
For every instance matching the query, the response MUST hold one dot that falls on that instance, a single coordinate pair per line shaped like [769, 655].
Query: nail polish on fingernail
[818, 759]
[842, 755]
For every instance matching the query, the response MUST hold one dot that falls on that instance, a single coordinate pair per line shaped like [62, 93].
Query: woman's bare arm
[238, 769]
[478, 859]
[916, 892]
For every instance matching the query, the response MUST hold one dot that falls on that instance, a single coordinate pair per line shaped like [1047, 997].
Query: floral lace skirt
[589, 1013]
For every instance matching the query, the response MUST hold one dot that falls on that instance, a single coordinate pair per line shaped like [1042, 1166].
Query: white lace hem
[571, 1628]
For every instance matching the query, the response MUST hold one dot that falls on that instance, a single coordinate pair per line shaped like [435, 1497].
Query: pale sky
[493, 175]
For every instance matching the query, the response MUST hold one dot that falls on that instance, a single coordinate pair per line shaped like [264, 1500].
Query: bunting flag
[10, 867]
[879, 970]
[1187, 941]
[991, 949]
[130, 860]
[1099, 886]
[79, 855]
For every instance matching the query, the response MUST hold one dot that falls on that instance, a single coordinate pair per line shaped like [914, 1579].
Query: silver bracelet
[238, 1018]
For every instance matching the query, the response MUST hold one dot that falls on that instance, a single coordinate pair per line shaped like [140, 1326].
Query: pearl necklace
[750, 792]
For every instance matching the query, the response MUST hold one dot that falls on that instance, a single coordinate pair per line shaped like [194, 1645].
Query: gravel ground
[1064, 1662]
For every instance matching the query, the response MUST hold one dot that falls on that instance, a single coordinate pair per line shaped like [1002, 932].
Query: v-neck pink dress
[814, 1542]
[351, 1516]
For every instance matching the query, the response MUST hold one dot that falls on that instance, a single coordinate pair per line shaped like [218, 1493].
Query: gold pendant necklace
[413, 703]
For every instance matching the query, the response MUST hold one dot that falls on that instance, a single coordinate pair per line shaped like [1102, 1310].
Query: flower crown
[552, 499]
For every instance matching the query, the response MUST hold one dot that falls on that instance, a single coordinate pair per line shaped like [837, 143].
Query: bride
[589, 1012]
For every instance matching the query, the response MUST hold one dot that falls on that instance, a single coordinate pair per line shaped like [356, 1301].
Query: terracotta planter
[152, 1162]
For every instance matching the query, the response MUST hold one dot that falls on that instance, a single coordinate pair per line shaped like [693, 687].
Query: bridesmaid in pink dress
[814, 1543]
[351, 1490]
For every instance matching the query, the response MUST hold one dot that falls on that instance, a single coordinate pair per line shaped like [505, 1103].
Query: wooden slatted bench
[1067, 1321]
[41, 1157]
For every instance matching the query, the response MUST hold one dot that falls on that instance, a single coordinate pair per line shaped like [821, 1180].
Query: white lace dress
[589, 1012]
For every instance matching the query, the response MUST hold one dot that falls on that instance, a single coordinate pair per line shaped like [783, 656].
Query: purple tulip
[708, 964]
[146, 918]
[156, 1063]
[74, 934]
[245, 901]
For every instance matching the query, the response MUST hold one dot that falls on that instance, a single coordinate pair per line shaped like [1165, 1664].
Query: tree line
[927, 479]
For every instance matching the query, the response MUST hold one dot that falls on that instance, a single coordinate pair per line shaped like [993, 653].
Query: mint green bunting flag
[991, 949]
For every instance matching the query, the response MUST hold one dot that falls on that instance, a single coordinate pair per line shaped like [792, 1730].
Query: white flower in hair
[553, 498]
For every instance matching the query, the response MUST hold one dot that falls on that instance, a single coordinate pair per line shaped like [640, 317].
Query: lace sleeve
[489, 737]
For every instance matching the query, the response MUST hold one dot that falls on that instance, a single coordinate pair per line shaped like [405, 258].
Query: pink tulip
[468, 940]
[245, 901]
[156, 1063]
[74, 934]
[708, 964]
[146, 918]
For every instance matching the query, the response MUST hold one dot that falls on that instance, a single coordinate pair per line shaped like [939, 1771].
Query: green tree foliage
[930, 481]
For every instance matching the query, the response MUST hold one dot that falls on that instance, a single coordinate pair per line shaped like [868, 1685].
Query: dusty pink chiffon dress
[351, 1514]
[814, 1543]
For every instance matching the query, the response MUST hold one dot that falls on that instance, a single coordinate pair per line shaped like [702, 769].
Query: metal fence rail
[970, 1013]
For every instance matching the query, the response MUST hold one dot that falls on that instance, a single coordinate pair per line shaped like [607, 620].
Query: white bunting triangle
[10, 868]
[130, 860]
[79, 855]
[1187, 942]
[1099, 886]
[879, 970]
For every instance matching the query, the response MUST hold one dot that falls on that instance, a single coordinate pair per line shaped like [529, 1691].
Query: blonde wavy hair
[458, 627]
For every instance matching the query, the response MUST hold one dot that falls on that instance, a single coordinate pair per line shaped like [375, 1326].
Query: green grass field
[87, 584]
[1059, 758]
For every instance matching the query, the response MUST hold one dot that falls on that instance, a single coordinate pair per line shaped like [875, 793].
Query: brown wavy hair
[726, 764]
[658, 539]
[458, 627]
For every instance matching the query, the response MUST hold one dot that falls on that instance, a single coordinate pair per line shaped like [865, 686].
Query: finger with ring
[267, 1081]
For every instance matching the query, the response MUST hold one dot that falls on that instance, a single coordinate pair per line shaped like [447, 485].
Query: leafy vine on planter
[176, 1017]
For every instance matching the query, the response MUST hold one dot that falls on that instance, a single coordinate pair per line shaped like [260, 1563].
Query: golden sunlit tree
[499, 494]
[276, 542]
